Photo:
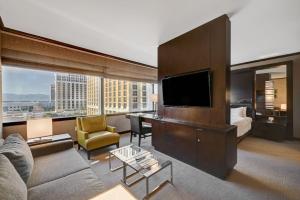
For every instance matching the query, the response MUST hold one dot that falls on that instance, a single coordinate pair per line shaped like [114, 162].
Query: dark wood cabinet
[211, 150]
[175, 140]
[276, 130]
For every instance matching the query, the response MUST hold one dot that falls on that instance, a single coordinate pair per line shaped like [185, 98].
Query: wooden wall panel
[242, 86]
[206, 47]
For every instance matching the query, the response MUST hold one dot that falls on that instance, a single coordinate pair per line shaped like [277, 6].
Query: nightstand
[275, 130]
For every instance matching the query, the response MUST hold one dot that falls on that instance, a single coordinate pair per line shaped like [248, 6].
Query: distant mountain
[25, 97]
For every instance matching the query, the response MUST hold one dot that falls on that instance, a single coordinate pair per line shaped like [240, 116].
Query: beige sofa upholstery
[59, 172]
[62, 174]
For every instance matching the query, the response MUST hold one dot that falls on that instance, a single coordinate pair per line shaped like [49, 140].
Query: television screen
[188, 90]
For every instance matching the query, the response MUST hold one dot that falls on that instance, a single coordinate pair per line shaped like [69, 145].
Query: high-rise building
[116, 98]
[52, 92]
[93, 95]
[126, 96]
[70, 93]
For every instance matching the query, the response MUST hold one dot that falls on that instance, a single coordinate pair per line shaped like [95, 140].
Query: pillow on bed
[237, 112]
[244, 111]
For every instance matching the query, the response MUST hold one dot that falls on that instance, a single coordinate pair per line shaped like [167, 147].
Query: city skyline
[19, 81]
[65, 94]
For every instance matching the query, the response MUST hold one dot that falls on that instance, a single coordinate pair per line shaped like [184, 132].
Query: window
[31, 93]
[37, 93]
[130, 92]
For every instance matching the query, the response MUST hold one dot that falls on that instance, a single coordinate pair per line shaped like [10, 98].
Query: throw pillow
[11, 184]
[18, 152]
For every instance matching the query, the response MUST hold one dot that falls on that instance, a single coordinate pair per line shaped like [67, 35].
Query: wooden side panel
[206, 47]
[242, 87]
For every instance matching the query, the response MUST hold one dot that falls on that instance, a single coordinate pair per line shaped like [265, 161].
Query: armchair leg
[139, 140]
[131, 136]
[118, 145]
[78, 146]
[88, 155]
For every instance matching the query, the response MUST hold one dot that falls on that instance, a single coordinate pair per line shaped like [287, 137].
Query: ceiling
[133, 29]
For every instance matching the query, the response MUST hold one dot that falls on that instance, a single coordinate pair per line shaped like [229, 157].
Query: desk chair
[137, 128]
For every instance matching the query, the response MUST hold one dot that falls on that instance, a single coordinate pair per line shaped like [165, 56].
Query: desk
[146, 117]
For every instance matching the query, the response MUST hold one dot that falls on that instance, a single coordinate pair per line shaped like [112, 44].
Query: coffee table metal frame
[147, 175]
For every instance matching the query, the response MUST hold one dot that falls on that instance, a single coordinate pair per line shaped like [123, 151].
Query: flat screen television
[193, 89]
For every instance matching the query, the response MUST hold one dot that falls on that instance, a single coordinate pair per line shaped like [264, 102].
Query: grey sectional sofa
[59, 172]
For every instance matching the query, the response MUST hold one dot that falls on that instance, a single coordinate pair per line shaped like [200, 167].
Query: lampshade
[39, 127]
[283, 106]
[154, 98]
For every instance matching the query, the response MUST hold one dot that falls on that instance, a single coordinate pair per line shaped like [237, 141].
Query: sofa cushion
[56, 165]
[18, 152]
[93, 124]
[11, 184]
[81, 185]
[101, 139]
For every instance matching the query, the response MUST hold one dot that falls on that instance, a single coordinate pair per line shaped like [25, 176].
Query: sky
[26, 81]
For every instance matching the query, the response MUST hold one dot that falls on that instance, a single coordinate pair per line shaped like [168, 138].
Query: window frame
[102, 98]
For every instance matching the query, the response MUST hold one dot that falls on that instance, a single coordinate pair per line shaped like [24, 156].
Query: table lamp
[283, 106]
[154, 99]
[38, 128]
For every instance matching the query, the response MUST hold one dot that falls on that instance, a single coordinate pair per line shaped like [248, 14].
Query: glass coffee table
[142, 162]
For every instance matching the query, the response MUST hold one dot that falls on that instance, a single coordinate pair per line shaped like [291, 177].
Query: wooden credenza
[211, 149]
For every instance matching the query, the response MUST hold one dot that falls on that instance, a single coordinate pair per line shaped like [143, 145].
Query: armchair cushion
[93, 124]
[101, 139]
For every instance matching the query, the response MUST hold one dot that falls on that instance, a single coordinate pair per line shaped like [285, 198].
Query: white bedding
[243, 125]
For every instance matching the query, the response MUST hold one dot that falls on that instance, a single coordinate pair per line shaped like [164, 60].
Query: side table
[48, 139]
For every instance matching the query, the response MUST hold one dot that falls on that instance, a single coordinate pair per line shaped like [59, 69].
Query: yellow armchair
[94, 133]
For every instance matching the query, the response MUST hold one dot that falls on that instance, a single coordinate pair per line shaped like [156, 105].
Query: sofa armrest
[48, 148]
[111, 129]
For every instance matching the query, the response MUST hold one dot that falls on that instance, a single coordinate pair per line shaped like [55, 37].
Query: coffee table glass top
[139, 159]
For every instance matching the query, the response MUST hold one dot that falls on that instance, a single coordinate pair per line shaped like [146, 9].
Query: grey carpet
[265, 170]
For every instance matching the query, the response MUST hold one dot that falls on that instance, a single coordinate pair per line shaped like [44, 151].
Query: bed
[243, 125]
[241, 118]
